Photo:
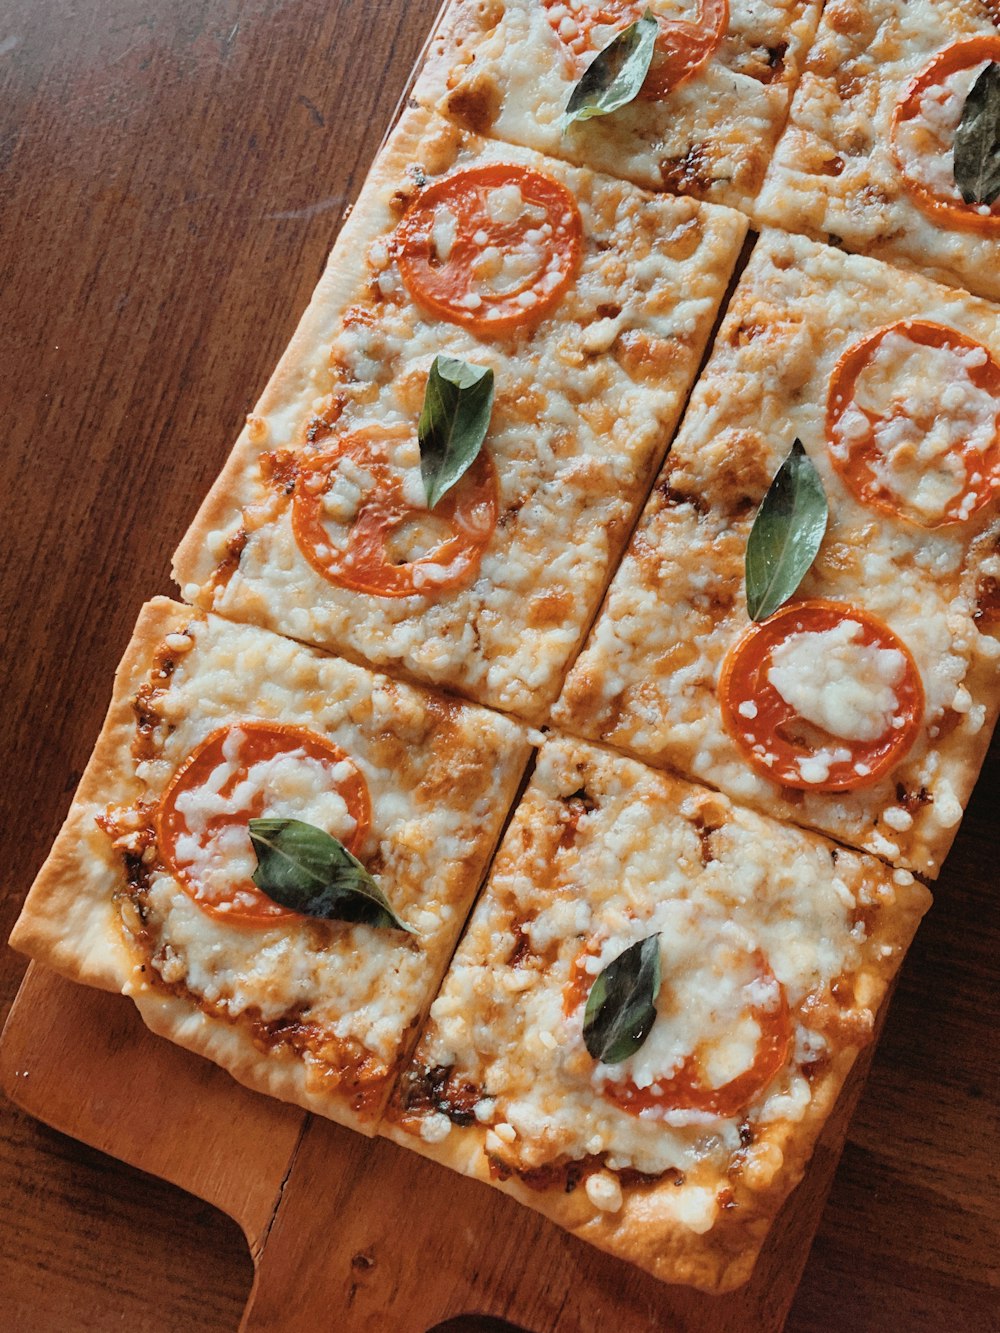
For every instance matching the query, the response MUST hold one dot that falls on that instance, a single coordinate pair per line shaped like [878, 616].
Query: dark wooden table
[172, 173]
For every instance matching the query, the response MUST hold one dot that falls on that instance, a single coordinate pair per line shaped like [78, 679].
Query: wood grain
[349, 1228]
[171, 176]
[146, 1101]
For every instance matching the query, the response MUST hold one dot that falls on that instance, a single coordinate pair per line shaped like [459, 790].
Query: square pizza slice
[881, 153]
[652, 1011]
[301, 961]
[862, 707]
[706, 118]
[591, 303]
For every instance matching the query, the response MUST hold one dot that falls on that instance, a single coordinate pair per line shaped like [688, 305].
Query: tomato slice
[463, 520]
[861, 458]
[490, 262]
[777, 740]
[220, 837]
[683, 47]
[950, 209]
[686, 1090]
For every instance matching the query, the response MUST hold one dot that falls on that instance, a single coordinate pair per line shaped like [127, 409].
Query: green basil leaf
[305, 869]
[616, 74]
[786, 534]
[621, 1006]
[458, 401]
[977, 140]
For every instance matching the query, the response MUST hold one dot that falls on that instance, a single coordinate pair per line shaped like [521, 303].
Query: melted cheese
[434, 819]
[647, 679]
[585, 403]
[638, 863]
[511, 75]
[835, 175]
[838, 683]
[293, 785]
[927, 412]
[926, 142]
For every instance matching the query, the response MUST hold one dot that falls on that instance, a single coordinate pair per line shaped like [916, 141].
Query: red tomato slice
[468, 512]
[950, 212]
[542, 248]
[685, 1090]
[775, 731]
[682, 48]
[857, 458]
[244, 904]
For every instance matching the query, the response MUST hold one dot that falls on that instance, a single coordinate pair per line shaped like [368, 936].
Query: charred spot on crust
[476, 106]
[767, 63]
[280, 469]
[229, 563]
[675, 498]
[510, 514]
[522, 945]
[912, 801]
[567, 1174]
[576, 805]
[437, 1089]
[688, 173]
[987, 612]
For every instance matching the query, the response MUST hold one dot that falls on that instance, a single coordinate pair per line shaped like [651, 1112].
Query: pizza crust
[585, 404]
[669, 1226]
[499, 69]
[834, 175]
[647, 678]
[275, 1004]
[69, 921]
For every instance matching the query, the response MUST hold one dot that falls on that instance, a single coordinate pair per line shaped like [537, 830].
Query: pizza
[773, 950]
[589, 300]
[150, 889]
[709, 112]
[868, 158]
[864, 706]
[275, 849]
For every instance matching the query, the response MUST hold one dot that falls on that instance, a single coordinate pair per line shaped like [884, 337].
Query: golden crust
[585, 402]
[301, 1011]
[483, 1030]
[646, 680]
[69, 921]
[834, 173]
[499, 69]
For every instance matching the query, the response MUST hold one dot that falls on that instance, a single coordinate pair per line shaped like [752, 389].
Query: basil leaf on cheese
[786, 534]
[977, 140]
[458, 401]
[307, 870]
[615, 75]
[621, 1006]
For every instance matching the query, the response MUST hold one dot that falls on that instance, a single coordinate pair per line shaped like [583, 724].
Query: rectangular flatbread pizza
[652, 1012]
[393, 795]
[709, 111]
[590, 301]
[863, 707]
[875, 157]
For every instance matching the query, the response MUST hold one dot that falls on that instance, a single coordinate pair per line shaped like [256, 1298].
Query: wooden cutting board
[354, 1234]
